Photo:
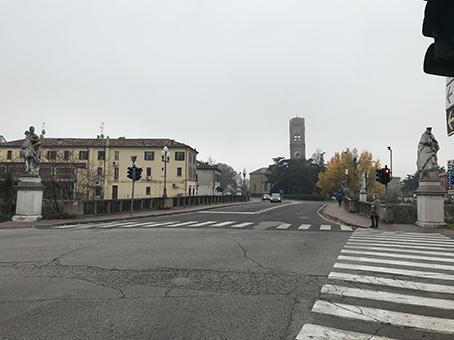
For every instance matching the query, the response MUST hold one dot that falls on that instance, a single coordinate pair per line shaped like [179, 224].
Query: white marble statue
[30, 152]
[427, 152]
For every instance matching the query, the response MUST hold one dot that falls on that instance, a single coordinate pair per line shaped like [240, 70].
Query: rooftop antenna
[101, 129]
[43, 131]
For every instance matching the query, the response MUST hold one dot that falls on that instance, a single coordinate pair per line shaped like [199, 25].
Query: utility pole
[391, 160]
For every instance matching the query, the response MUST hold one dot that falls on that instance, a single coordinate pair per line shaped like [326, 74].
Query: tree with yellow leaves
[343, 172]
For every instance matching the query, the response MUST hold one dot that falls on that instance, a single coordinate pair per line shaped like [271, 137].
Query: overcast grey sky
[224, 76]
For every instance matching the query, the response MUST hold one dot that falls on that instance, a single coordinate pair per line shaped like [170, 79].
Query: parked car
[266, 197]
[276, 198]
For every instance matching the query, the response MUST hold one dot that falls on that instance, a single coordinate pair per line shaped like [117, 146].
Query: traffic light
[439, 24]
[138, 174]
[379, 175]
[383, 175]
[130, 172]
[386, 175]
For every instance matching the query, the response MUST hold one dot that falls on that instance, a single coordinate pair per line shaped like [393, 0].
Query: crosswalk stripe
[387, 296]
[283, 226]
[242, 225]
[376, 315]
[390, 270]
[397, 263]
[203, 223]
[402, 250]
[346, 228]
[114, 225]
[384, 281]
[222, 224]
[311, 332]
[402, 239]
[181, 224]
[396, 245]
[98, 225]
[159, 224]
[403, 242]
[393, 233]
[397, 256]
[304, 226]
[325, 227]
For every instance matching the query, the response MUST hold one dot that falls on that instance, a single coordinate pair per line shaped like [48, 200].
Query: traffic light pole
[133, 159]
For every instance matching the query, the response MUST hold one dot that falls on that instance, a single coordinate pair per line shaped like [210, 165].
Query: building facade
[259, 182]
[208, 179]
[297, 138]
[97, 168]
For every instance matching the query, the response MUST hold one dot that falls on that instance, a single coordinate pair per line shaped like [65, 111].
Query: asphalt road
[255, 271]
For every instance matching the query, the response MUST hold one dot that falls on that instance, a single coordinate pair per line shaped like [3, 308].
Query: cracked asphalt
[160, 283]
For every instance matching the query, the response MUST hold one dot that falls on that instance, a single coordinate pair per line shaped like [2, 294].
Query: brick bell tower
[297, 138]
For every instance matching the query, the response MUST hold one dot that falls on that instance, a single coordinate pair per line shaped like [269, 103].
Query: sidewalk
[117, 217]
[338, 214]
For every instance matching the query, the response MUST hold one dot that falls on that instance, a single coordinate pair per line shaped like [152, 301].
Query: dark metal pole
[133, 159]
[391, 160]
[164, 193]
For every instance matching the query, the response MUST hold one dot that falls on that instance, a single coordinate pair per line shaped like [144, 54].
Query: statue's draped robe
[427, 152]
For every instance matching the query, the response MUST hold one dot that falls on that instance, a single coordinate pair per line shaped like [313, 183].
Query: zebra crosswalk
[140, 224]
[395, 282]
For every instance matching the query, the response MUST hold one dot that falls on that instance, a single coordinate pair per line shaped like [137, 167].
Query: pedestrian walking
[375, 211]
[339, 197]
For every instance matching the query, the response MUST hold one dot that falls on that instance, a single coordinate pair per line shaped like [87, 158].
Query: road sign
[450, 121]
[449, 94]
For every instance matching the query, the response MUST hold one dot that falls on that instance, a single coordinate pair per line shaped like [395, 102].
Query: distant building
[208, 179]
[2, 139]
[97, 168]
[259, 182]
[297, 138]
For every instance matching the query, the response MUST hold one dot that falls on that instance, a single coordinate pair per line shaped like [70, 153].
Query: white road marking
[346, 228]
[257, 212]
[384, 281]
[387, 296]
[242, 225]
[304, 226]
[397, 256]
[398, 233]
[316, 332]
[397, 263]
[395, 245]
[325, 227]
[402, 250]
[99, 225]
[283, 226]
[180, 224]
[137, 225]
[389, 270]
[401, 242]
[383, 316]
[413, 241]
[159, 224]
[222, 224]
[203, 223]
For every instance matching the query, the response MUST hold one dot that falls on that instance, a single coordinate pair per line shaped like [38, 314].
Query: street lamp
[165, 158]
[244, 180]
[391, 160]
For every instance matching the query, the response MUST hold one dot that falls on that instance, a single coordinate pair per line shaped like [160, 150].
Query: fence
[106, 207]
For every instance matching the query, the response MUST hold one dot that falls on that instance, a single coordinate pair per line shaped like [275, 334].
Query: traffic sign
[449, 94]
[450, 121]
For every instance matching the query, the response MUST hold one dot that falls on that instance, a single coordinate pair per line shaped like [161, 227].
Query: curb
[334, 219]
[129, 217]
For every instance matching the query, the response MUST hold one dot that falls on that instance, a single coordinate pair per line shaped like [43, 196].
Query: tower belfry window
[297, 138]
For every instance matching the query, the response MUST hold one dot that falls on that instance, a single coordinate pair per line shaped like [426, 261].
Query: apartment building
[97, 168]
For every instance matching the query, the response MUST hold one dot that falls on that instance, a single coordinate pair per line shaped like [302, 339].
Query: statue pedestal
[363, 196]
[430, 201]
[29, 199]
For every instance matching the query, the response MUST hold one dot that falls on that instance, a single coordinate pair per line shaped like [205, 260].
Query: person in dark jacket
[339, 197]
[375, 211]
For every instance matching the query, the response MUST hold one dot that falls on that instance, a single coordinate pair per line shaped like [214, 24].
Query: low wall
[60, 209]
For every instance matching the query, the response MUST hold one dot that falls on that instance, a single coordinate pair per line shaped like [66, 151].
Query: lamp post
[244, 181]
[165, 158]
[391, 160]
[346, 181]
[355, 171]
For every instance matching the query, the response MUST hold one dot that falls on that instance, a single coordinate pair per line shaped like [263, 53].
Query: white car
[276, 198]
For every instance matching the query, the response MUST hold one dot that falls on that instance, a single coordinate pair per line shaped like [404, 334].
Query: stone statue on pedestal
[427, 152]
[30, 152]
[30, 189]
[430, 193]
